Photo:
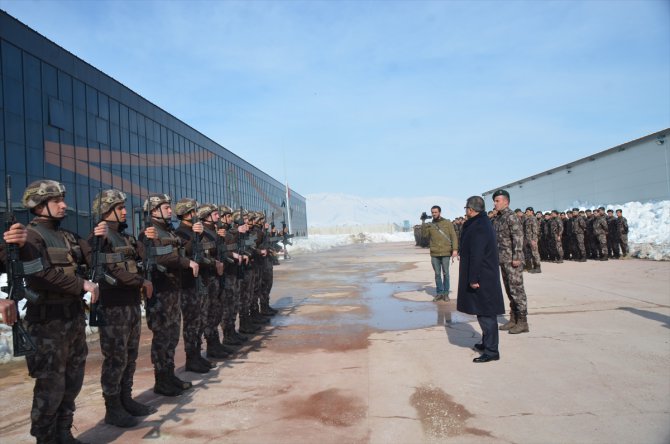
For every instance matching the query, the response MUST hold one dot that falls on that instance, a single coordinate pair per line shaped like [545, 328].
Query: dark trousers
[489, 326]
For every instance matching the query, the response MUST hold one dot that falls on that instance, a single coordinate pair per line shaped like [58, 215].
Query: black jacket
[479, 264]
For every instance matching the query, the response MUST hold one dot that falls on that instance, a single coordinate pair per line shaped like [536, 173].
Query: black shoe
[479, 347]
[486, 358]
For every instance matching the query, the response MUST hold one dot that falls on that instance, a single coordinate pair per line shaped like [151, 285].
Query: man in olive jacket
[443, 245]
[479, 290]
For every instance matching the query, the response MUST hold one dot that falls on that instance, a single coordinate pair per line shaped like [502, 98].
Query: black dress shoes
[486, 358]
[479, 347]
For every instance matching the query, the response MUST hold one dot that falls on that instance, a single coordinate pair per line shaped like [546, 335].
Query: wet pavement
[359, 353]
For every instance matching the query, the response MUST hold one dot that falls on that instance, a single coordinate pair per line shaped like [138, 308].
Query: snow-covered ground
[649, 238]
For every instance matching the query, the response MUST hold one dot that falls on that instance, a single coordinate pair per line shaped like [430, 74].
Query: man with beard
[443, 247]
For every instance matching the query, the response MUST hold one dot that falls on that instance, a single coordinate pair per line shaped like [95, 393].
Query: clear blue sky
[386, 98]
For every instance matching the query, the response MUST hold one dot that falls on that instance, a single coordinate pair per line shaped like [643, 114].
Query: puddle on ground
[440, 416]
[329, 407]
[330, 301]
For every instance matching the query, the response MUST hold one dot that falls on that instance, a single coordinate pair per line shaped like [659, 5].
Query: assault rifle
[273, 241]
[199, 256]
[150, 252]
[222, 252]
[16, 282]
[97, 273]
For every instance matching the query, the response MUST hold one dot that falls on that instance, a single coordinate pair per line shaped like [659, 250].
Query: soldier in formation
[531, 232]
[576, 235]
[119, 310]
[216, 266]
[55, 321]
[509, 233]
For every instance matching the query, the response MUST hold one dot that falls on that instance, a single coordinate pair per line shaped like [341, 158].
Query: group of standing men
[573, 235]
[581, 235]
[216, 267]
[488, 248]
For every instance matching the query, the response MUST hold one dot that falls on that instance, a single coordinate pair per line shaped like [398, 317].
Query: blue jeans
[441, 267]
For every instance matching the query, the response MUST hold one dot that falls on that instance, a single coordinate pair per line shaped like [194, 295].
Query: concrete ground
[361, 354]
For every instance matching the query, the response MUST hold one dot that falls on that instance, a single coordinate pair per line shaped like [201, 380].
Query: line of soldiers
[556, 236]
[573, 235]
[216, 267]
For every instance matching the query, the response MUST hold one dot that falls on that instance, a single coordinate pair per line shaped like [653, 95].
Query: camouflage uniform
[556, 230]
[578, 229]
[600, 233]
[119, 310]
[211, 244]
[163, 309]
[531, 229]
[55, 322]
[259, 265]
[194, 297]
[231, 290]
[509, 234]
[622, 227]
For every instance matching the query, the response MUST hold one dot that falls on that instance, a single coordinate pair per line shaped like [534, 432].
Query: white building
[634, 171]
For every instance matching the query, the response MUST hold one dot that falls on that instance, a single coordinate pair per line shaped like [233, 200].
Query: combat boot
[266, 310]
[246, 326]
[521, 325]
[164, 384]
[180, 384]
[135, 408]
[230, 337]
[259, 319]
[115, 413]
[206, 362]
[47, 436]
[239, 336]
[195, 365]
[215, 351]
[65, 434]
[511, 323]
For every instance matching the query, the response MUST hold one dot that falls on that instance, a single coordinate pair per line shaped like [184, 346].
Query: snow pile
[648, 229]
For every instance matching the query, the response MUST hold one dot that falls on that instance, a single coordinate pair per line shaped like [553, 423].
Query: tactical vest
[62, 249]
[169, 242]
[64, 254]
[124, 252]
[208, 243]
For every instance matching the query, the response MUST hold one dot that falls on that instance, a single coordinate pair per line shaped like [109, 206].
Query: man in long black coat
[479, 290]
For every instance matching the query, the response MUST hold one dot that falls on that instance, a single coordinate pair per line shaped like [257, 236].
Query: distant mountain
[334, 209]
